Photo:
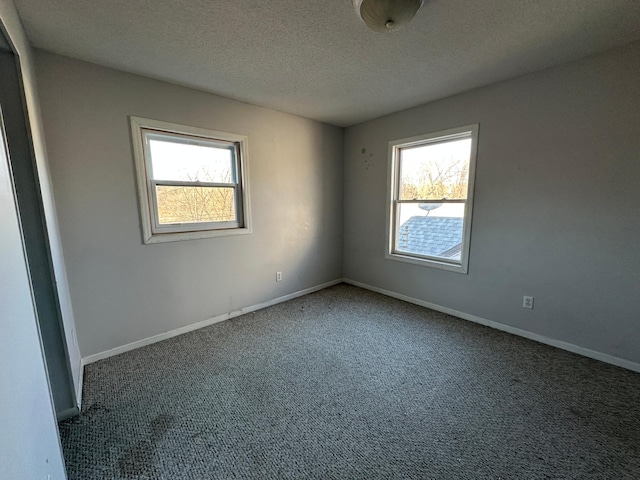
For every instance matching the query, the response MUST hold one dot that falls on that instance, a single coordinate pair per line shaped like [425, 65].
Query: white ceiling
[316, 58]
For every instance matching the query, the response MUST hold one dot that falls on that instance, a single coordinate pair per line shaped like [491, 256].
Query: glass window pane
[187, 162]
[177, 204]
[435, 171]
[431, 229]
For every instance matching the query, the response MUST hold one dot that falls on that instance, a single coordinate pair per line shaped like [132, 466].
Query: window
[192, 183]
[431, 194]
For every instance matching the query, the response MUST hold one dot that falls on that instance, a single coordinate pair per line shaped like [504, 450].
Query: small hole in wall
[367, 162]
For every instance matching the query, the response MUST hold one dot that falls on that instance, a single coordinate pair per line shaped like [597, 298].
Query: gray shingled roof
[433, 236]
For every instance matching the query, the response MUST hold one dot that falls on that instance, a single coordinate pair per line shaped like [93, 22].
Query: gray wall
[123, 291]
[557, 204]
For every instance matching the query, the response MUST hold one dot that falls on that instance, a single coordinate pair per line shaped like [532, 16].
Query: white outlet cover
[527, 302]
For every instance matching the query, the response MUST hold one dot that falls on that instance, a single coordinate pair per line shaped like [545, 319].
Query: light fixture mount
[386, 15]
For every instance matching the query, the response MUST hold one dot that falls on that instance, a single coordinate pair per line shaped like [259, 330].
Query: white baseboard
[205, 323]
[80, 384]
[603, 357]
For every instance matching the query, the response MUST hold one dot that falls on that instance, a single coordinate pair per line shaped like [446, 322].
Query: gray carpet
[349, 384]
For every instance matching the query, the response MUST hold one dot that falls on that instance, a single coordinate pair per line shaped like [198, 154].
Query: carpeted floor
[349, 384]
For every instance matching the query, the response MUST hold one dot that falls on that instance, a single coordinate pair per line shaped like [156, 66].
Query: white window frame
[152, 230]
[393, 185]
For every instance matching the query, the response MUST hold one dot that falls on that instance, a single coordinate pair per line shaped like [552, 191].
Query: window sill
[450, 267]
[196, 235]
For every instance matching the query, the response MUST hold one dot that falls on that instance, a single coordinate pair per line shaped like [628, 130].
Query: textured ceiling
[316, 58]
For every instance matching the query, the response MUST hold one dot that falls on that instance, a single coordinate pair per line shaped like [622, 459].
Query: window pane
[189, 162]
[435, 171]
[177, 204]
[431, 229]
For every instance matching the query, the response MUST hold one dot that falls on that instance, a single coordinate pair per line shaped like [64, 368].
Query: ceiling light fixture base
[386, 16]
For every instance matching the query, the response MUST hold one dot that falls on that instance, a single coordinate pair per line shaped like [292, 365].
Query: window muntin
[431, 184]
[191, 181]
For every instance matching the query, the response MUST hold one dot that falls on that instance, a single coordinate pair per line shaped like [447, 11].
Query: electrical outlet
[278, 276]
[527, 302]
